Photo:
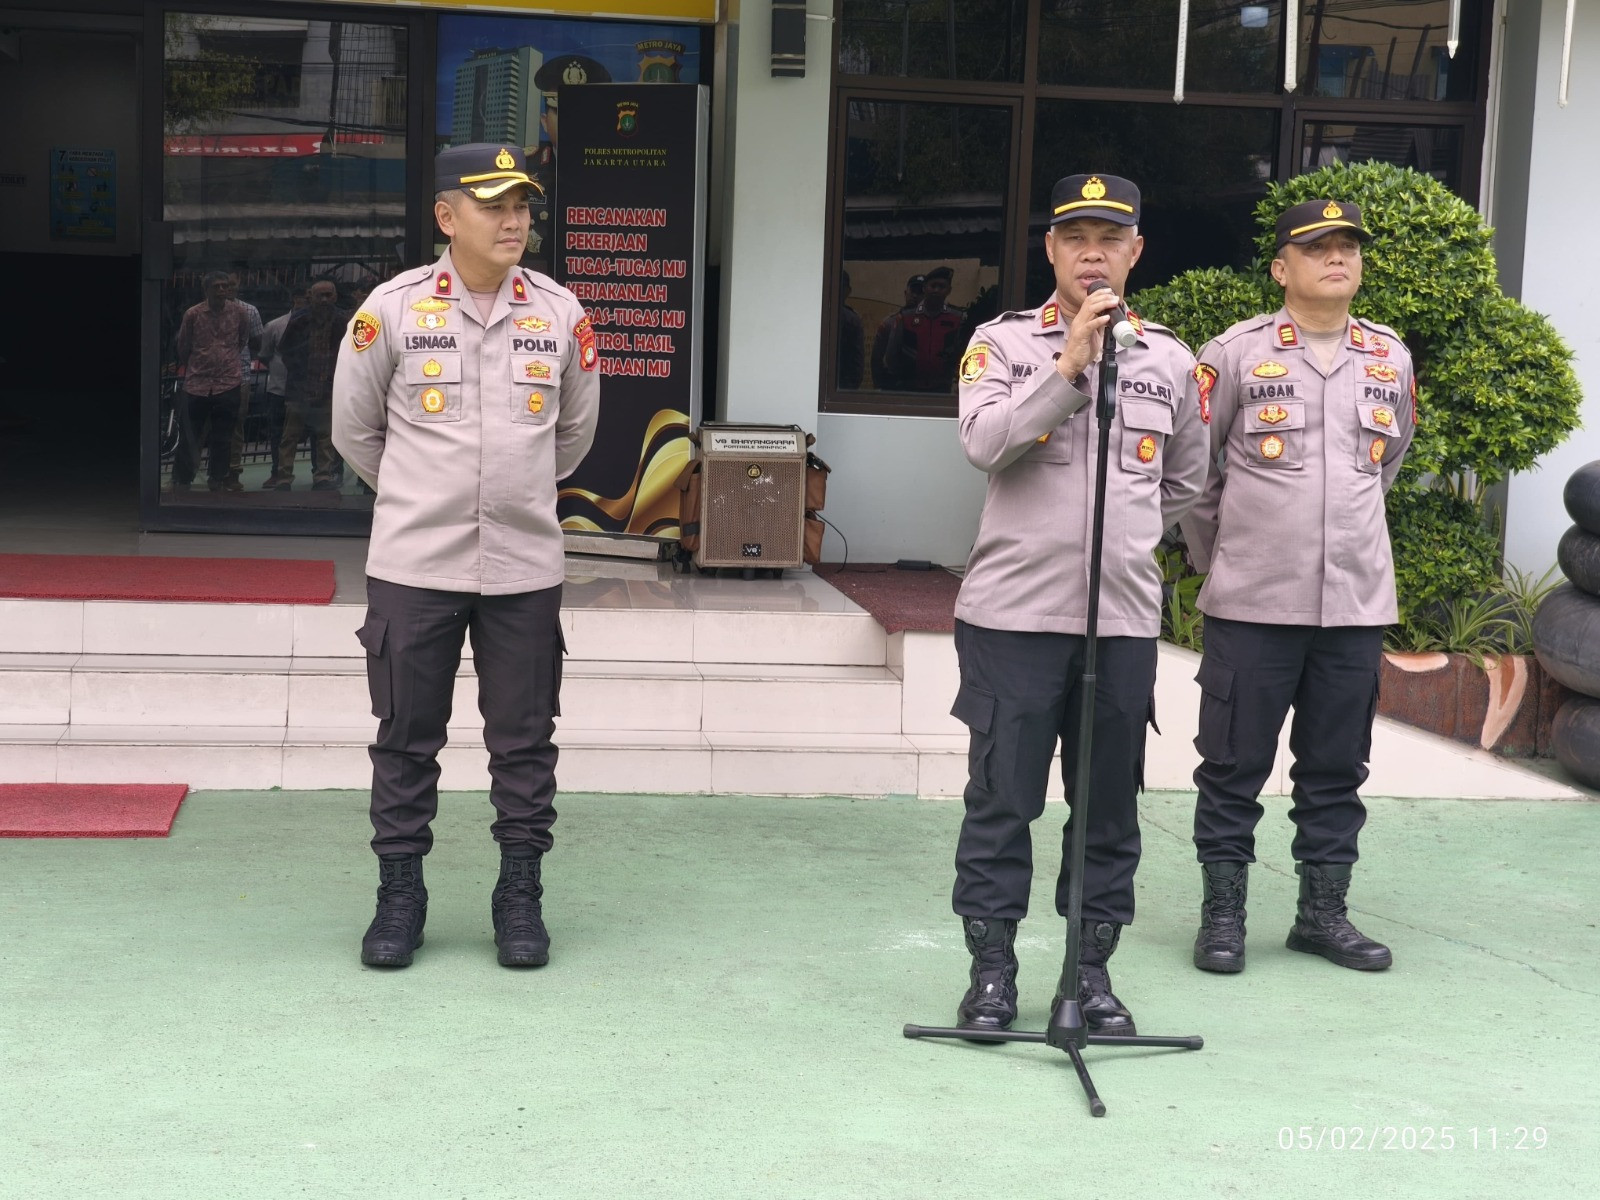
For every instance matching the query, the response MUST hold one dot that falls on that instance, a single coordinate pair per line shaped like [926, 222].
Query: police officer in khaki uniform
[464, 391]
[1026, 386]
[1311, 411]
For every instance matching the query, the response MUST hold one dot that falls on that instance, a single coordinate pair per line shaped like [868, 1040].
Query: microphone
[1122, 330]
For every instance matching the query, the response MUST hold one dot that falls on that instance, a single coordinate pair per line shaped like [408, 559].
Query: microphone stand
[1067, 1031]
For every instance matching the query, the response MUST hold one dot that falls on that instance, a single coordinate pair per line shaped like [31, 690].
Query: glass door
[282, 203]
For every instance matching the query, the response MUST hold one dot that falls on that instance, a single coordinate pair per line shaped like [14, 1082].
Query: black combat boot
[1102, 1012]
[1321, 926]
[991, 1001]
[518, 922]
[396, 929]
[1219, 946]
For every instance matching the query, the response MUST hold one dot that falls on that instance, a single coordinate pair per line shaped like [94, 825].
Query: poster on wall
[83, 195]
[629, 235]
[500, 79]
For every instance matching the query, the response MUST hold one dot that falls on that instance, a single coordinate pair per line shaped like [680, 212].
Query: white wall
[1559, 266]
[92, 86]
[900, 487]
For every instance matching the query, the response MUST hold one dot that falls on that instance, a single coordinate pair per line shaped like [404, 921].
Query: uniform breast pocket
[1274, 434]
[1146, 425]
[535, 400]
[1377, 432]
[432, 387]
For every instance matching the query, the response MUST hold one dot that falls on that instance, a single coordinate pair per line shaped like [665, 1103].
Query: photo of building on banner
[634, 260]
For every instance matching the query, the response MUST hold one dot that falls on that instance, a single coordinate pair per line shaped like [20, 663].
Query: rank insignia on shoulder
[1206, 378]
[1379, 346]
[429, 304]
[537, 370]
[1269, 370]
[974, 363]
[1358, 337]
[1378, 447]
[364, 330]
[531, 324]
[1050, 315]
[1272, 446]
[433, 400]
[519, 290]
[1147, 449]
[536, 402]
[443, 285]
[1287, 336]
[1273, 413]
[432, 369]
[1383, 417]
[1138, 325]
[1382, 372]
[430, 321]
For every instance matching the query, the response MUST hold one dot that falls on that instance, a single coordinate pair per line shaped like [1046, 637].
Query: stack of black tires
[1566, 630]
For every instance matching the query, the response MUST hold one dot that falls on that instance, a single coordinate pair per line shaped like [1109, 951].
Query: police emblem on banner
[974, 363]
[627, 118]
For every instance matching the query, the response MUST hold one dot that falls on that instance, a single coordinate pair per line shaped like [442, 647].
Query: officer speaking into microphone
[464, 391]
[1025, 382]
[1311, 412]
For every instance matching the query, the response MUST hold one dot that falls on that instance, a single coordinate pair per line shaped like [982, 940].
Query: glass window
[933, 39]
[1200, 173]
[1134, 44]
[1388, 51]
[924, 200]
[1432, 149]
[283, 177]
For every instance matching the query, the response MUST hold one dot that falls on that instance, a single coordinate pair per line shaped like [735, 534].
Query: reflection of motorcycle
[169, 431]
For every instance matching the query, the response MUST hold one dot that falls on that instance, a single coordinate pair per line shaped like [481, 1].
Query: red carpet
[921, 601]
[133, 577]
[89, 809]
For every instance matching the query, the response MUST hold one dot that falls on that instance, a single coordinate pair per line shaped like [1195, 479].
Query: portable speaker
[753, 496]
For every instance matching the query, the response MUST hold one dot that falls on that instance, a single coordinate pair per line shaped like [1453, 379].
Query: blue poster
[83, 195]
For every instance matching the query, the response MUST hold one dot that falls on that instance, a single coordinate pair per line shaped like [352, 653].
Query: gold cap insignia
[432, 369]
[1333, 211]
[1094, 189]
[574, 73]
[433, 400]
[503, 160]
[1272, 446]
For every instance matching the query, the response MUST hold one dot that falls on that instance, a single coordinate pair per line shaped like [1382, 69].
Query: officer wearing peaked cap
[563, 70]
[464, 391]
[1311, 412]
[1021, 613]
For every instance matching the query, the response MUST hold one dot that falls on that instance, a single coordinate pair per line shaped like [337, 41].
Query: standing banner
[630, 223]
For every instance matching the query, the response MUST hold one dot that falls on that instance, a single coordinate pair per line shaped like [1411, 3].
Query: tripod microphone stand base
[1066, 1033]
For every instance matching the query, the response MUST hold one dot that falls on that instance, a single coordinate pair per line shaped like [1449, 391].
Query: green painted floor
[187, 1017]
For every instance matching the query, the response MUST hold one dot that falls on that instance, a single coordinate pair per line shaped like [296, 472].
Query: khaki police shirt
[1036, 436]
[463, 426]
[1291, 527]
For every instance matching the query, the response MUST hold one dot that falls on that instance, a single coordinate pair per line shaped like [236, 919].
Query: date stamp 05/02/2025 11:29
[1381, 1138]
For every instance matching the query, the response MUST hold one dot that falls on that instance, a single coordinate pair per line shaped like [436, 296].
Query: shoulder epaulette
[1147, 326]
[1239, 328]
[402, 280]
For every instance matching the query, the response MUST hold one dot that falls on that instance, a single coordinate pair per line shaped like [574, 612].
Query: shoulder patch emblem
[1272, 446]
[1206, 378]
[1269, 370]
[364, 330]
[588, 357]
[1382, 372]
[1287, 336]
[1050, 316]
[974, 363]
[428, 304]
[1273, 413]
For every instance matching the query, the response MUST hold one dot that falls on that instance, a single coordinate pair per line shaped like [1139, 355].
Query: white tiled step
[640, 761]
[92, 689]
[640, 627]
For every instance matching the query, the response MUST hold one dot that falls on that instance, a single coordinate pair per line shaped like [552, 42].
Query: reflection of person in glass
[568, 69]
[465, 390]
[886, 366]
[1021, 615]
[923, 355]
[211, 339]
[309, 348]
